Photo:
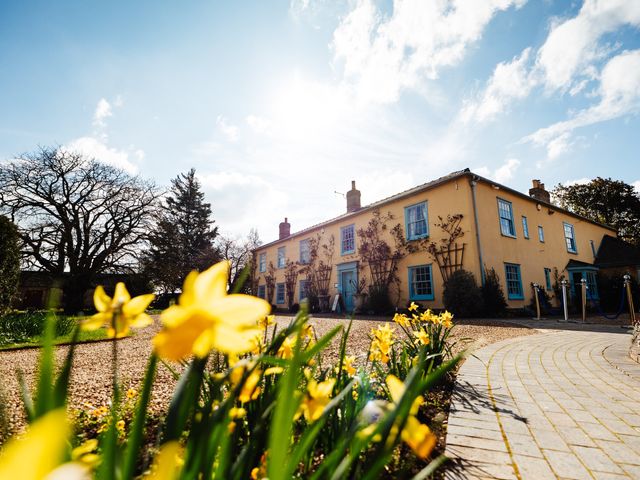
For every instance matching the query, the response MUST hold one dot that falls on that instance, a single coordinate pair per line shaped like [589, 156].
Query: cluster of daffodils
[265, 377]
[381, 344]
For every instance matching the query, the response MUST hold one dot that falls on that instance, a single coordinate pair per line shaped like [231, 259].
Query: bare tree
[239, 253]
[76, 215]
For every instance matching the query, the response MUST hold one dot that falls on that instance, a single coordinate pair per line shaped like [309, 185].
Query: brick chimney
[353, 198]
[285, 229]
[539, 193]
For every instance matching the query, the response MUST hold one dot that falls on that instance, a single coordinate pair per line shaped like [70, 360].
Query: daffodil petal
[211, 284]
[166, 465]
[121, 295]
[202, 344]
[241, 311]
[101, 300]
[396, 388]
[39, 451]
[187, 297]
[142, 320]
[174, 316]
[137, 305]
[96, 321]
[228, 339]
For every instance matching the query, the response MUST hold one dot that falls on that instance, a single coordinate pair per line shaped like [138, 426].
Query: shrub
[378, 300]
[21, 327]
[462, 294]
[9, 263]
[493, 301]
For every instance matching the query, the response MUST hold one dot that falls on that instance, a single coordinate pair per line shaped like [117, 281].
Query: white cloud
[577, 181]
[92, 147]
[636, 185]
[102, 112]
[503, 173]
[572, 46]
[559, 146]
[258, 124]
[230, 132]
[619, 93]
[383, 55]
[510, 80]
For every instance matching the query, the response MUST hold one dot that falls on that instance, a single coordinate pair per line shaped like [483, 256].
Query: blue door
[348, 278]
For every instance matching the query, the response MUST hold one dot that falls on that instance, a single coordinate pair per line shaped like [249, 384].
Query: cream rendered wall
[531, 254]
[451, 197]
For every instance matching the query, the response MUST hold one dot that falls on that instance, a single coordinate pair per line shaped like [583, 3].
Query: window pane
[506, 218]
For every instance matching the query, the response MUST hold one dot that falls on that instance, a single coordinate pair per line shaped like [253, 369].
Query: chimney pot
[538, 192]
[353, 198]
[285, 229]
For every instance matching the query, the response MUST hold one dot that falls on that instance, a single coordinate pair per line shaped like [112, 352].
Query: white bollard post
[565, 305]
[535, 292]
[583, 283]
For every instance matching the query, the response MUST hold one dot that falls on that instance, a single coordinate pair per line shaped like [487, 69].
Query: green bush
[493, 301]
[378, 301]
[9, 263]
[462, 295]
[21, 327]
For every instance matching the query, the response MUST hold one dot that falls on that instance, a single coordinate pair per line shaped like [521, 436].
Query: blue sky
[280, 104]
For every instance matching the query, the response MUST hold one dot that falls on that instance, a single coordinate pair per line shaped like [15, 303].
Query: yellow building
[525, 238]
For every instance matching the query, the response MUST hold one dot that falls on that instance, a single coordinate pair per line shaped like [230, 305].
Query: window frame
[541, 233]
[304, 282]
[278, 285]
[308, 251]
[283, 257]
[412, 294]
[547, 278]
[346, 228]
[525, 227]
[262, 262]
[407, 211]
[517, 295]
[511, 219]
[262, 289]
[572, 237]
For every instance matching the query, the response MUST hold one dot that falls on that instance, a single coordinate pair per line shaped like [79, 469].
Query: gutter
[473, 182]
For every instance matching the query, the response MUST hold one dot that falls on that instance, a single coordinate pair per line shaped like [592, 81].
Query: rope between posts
[545, 303]
[599, 308]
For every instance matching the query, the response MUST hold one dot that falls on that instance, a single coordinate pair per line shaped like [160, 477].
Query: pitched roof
[427, 186]
[614, 252]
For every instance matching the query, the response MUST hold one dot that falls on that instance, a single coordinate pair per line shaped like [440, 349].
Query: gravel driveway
[91, 378]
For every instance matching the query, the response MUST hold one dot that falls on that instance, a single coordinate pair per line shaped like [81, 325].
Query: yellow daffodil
[206, 317]
[286, 349]
[316, 399]
[120, 312]
[347, 365]
[39, 451]
[402, 320]
[446, 319]
[237, 412]
[415, 434]
[422, 337]
[381, 343]
[426, 316]
[260, 473]
[413, 307]
[86, 453]
[250, 389]
[266, 321]
[168, 462]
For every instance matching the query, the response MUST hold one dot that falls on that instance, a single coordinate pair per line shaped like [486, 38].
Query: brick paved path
[560, 404]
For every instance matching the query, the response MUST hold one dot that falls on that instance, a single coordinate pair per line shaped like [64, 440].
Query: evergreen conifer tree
[9, 262]
[183, 238]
